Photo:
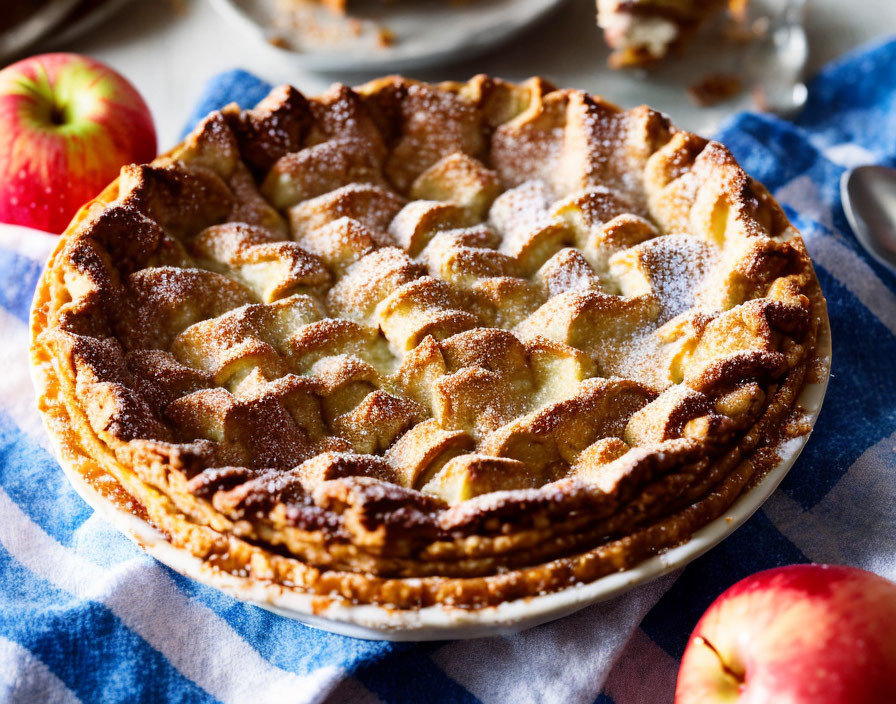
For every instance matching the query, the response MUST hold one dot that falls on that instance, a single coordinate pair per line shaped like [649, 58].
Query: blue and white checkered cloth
[86, 616]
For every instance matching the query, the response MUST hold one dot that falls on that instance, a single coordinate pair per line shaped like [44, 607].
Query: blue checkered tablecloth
[86, 616]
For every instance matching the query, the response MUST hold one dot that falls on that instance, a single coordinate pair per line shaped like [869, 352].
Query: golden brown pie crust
[415, 344]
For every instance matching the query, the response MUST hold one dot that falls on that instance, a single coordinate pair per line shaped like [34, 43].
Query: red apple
[67, 125]
[805, 634]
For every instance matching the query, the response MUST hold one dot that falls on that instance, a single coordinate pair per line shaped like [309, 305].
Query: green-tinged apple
[804, 634]
[67, 125]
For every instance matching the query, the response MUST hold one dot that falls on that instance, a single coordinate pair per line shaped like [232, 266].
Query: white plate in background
[426, 32]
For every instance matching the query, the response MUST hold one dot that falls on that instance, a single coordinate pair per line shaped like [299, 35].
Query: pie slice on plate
[643, 31]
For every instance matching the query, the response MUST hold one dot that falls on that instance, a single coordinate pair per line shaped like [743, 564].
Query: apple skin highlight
[67, 125]
[804, 634]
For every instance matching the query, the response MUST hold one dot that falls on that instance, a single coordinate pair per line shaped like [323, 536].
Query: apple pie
[413, 345]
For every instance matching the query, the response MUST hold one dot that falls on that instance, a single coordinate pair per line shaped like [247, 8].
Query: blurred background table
[169, 48]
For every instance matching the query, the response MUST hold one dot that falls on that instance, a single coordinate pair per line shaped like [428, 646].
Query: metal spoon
[869, 200]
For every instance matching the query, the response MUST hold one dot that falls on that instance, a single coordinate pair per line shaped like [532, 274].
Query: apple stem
[736, 676]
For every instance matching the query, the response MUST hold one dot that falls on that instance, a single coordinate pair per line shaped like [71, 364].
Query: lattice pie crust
[417, 344]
